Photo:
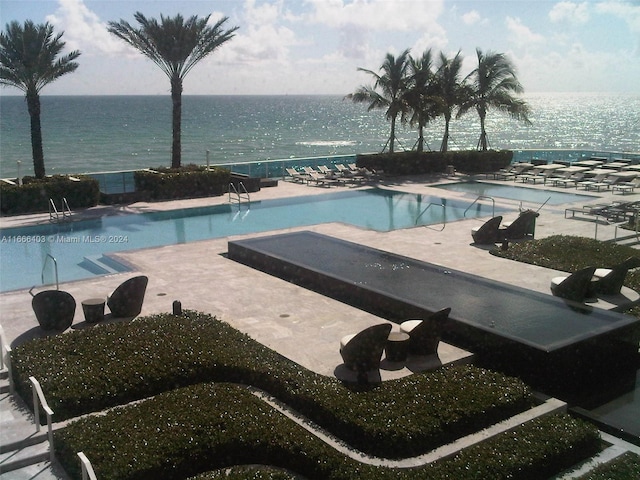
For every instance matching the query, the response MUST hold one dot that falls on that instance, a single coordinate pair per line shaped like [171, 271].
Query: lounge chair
[488, 232]
[570, 181]
[126, 300]
[362, 351]
[295, 176]
[54, 309]
[576, 287]
[424, 335]
[323, 180]
[522, 227]
[586, 184]
[609, 281]
[624, 187]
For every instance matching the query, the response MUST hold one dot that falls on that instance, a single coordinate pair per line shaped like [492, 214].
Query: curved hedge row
[211, 426]
[109, 365]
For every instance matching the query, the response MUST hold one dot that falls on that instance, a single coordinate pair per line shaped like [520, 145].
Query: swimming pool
[534, 196]
[79, 248]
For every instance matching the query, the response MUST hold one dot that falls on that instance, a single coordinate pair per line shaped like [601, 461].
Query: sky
[316, 46]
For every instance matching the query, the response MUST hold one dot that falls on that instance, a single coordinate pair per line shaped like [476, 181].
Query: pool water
[78, 247]
[534, 196]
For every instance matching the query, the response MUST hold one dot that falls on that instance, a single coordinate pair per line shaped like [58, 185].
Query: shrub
[187, 182]
[33, 196]
[110, 365]
[414, 163]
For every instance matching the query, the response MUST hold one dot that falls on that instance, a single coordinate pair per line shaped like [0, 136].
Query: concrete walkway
[279, 314]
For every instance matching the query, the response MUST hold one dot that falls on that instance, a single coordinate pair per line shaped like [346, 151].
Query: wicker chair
[362, 351]
[424, 335]
[127, 299]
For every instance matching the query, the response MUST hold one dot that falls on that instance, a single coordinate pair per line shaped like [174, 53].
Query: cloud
[629, 12]
[471, 18]
[384, 15]
[575, 13]
[521, 35]
[83, 28]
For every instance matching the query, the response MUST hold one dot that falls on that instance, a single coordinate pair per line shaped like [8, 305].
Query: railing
[444, 224]
[5, 359]
[40, 401]
[44, 266]
[54, 214]
[240, 192]
[87, 468]
[484, 197]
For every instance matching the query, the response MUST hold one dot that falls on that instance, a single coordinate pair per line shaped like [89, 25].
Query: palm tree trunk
[392, 137]
[445, 139]
[483, 132]
[33, 105]
[176, 98]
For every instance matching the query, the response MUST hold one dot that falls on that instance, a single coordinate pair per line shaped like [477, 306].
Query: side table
[93, 309]
[397, 346]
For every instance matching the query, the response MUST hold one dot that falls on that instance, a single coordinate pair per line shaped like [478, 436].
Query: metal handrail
[431, 204]
[66, 211]
[54, 216]
[87, 468]
[55, 264]
[40, 400]
[239, 194]
[483, 197]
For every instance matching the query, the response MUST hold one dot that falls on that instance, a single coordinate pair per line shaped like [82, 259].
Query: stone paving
[281, 315]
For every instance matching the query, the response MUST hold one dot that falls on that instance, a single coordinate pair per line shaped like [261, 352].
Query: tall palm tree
[28, 61]
[450, 91]
[419, 94]
[392, 85]
[176, 46]
[493, 84]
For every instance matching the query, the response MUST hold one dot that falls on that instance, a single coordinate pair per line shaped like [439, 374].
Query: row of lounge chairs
[362, 352]
[613, 212]
[494, 231]
[325, 176]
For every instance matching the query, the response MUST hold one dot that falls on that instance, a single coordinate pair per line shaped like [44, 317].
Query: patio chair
[424, 335]
[488, 232]
[576, 287]
[54, 309]
[522, 227]
[295, 175]
[362, 352]
[609, 281]
[624, 187]
[126, 300]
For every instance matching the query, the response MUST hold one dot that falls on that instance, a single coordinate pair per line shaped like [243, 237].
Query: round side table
[93, 309]
[397, 347]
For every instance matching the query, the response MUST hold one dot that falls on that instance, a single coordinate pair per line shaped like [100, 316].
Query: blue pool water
[532, 196]
[78, 247]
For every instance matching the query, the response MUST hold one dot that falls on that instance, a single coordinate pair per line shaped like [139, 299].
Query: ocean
[108, 133]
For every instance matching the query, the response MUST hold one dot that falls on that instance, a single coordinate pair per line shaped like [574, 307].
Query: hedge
[34, 194]
[211, 426]
[414, 163]
[187, 182]
[108, 365]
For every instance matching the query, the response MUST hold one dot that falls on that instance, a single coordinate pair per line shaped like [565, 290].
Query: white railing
[87, 468]
[5, 358]
[39, 400]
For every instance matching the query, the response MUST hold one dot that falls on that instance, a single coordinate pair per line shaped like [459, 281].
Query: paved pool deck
[281, 315]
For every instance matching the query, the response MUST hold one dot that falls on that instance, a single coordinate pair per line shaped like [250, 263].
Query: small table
[397, 346]
[93, 309]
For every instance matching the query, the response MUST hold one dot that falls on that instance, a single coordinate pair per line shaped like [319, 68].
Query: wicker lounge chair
[488, 232]
[609, 281]
[126, 300]
[576, 287]
[522, 227]
[54, 309]
[424, 335]
[362, 351]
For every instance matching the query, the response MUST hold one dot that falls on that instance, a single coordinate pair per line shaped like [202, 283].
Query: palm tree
[392, 83]
[492, 85]
[450, 92]
[28, 61]
[175, 45]
[419, 95]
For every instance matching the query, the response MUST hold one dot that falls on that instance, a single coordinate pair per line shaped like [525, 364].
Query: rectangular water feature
[540, 337]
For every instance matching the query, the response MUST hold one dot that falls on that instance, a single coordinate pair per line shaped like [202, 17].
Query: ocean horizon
[109, 133]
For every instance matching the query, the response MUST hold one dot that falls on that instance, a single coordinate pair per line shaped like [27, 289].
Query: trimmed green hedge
[414, 163]
[211, 426]
[109, 365]
[33, 196]
[187, 182]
